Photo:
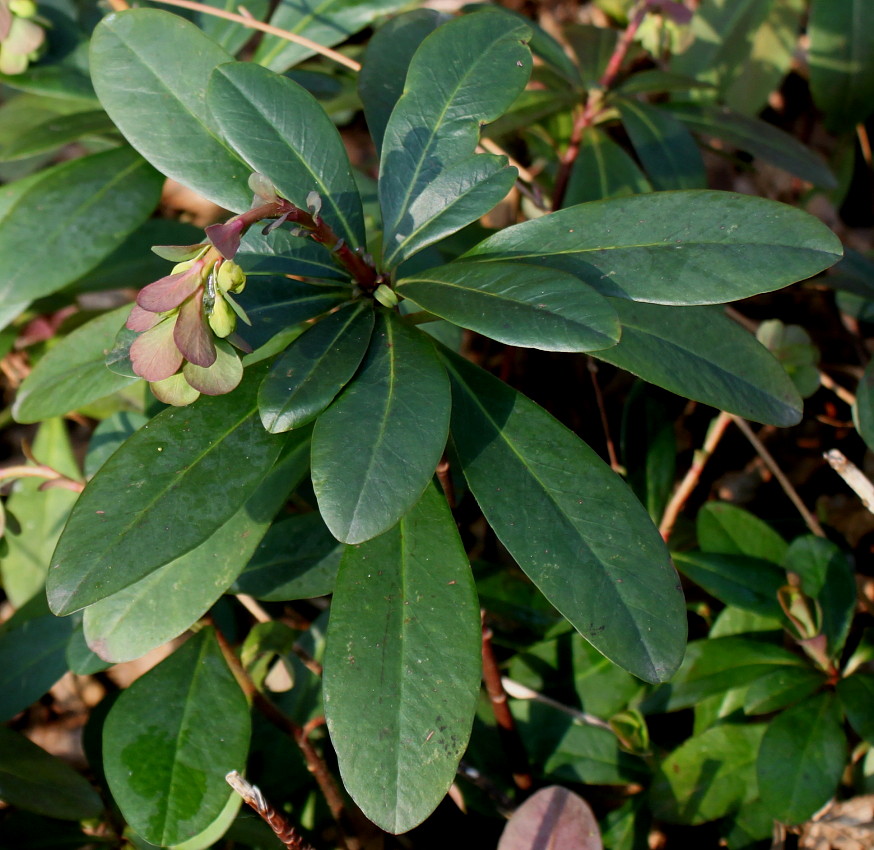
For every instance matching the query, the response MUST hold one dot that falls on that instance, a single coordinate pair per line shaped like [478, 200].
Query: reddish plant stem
[595, 101]
[509, 735]
[602, 410]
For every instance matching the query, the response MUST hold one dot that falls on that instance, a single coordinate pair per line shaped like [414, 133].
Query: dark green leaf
[171, 737]
[709, 776]
[863, 410]
[666, 148]
[655, 80]
[95, 202]
[388, 55]
[857, 696]
[188, 470]
[150, 70]
[376, 448]
[593, 47]
[730, 530]
[775, 690]
[73, 373]
[58, 131]
[698, 352]
[464, 74]
[673, 247]
[297, 559]
[757, 137]
[229, 34]
[280, 253]
[81, 659]
[516, 304]
[169, 600]
[314, 368]
[603, 170]
[33, 656]
[403, 640]
[280, 129]
[801, 759]
[747, 583]
[109, 435]
[35, 781]
[327, 22]
[841, 61]
[570, 522]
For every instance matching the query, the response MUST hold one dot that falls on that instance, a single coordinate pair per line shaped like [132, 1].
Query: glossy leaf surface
[801, 759]
[730, 530]
[150, 70]
[385, 651]
[280, 253]
[95, 202]
[781, 688]
[73, 372]
[570, 523]
[57, 131]
[516, 304]
[857, 696]
[376, 448]
[38, 782]
[314, 368]
[171, 737]
[280, 129]
[165, 477]
[698, 352]
[696, 247]
[165, 603]
[464, 74]
[603, 170]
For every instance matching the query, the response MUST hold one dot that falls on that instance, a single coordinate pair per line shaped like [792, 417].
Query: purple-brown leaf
[553, 819]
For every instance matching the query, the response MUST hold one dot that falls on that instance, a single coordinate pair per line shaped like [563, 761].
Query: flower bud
[385, 296]
[230, 277]
[23, 8]
[221, 317]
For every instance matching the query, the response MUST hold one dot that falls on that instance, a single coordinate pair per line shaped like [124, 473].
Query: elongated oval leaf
[464, 74]
[59, 130]
[664, 146]
[280, 129]
[403, 640]
[570, 522]
[73, 373]
[376, 448]
[603, 170]
[516, 304]
[171, 485]
[673, 247]
[171, 737]
[166, 602]
[278, 252]
[95, 202]
[556, 816]
[316, 366]
[150, 71]
[37, 782]
[698, 352]
[801, 759]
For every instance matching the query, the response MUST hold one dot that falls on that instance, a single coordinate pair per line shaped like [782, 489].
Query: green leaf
[57, 131]
[280, 253]
[39, 516]
[33, 656]
[327, 22]
[188, 470]
[35, 781]
[747, 583]
[730, 530]
[857, 696]
[761, 139]
[700, 353]
[314, 368]
[376, 448]
[464, 74]
[516, 304]
[672, 247]
[95, 202]
[229, 34]
[603, 170]
[384, 69]
[570, 522]
[709, 776]
[171, 737]
[863, 409]
[403, 640]
[280, 129]
[109, 435]
[307, 568]
[150, 69]
[593, 46]
[666, 148]
[841, 60]
[775, 690]
[456, 197]
[159, 607]
[73, 372]
[801, 759]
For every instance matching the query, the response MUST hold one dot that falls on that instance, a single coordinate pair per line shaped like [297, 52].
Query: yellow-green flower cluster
[22, 37]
